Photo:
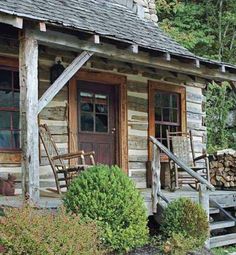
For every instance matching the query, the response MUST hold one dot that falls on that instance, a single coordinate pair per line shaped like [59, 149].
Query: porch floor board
[225, 198]
[51, 200]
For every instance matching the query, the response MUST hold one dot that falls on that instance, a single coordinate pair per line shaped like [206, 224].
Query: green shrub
[178, 244]
[107, 195]
[28, 231]
[185, 219]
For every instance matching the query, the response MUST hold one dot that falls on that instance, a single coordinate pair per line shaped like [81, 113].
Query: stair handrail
[163, 197]
[222, 210]
[181, 164]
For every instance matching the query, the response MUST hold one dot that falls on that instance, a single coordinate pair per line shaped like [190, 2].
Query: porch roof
[103, 17]
[113, 21]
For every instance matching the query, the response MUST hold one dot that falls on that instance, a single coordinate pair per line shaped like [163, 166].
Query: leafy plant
[184, 219]
[106, 195]
[218, 105]
[224, 250]
[205, 27]
[178, 244]
[29, 231]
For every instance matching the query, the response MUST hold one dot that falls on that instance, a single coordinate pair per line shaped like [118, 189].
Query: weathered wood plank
[193, 97]
[63, 79]
[11, 20]
[138, 126]
[156, 173]
[137, 86]
[54, 113]
[28, 60]
[10, 157]
[194, 108]
[71, 42]
[137, 104]
[205, 203]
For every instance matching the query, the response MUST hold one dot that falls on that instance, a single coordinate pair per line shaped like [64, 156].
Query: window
[167, 114]
[9, 109]
[93, 112]
[167, 111]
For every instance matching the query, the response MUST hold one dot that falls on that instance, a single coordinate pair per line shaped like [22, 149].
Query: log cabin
[57, 55]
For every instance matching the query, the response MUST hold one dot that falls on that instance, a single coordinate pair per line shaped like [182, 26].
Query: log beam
[72, 42]
[61, 81]
[28, 67]
[11, 20]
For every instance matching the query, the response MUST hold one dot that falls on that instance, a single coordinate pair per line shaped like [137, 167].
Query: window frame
[94, 113]
[10, 109]
[165, 87]
[10, 156]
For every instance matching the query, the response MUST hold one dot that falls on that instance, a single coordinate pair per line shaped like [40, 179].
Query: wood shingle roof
[102, 17]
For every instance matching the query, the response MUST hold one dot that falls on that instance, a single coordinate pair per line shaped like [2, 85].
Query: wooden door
[97, 107]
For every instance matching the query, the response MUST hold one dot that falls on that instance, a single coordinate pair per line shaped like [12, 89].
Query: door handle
[113, 130]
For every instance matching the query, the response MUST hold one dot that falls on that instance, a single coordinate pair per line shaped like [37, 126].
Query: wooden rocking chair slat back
[181, 144]
[63, 171]
[48, 143]
[181, 149]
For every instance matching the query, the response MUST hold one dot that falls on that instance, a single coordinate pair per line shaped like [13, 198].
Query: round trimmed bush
[107, 195]
[186, 218]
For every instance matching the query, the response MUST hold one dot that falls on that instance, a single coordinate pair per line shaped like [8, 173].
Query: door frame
[122, 133]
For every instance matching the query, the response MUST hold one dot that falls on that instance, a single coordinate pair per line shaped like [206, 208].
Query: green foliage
[184, 219]
[218, 105]
[224, 250]
[29, 231]
[107, 195]
[206, 27]
[178, 244]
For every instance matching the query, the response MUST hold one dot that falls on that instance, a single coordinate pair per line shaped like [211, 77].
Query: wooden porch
[50, 200]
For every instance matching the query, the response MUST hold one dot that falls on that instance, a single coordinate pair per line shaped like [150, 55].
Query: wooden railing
[156, 169]
[204, 185]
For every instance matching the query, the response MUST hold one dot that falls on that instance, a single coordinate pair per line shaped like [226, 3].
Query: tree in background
[218, 105]
[205, 27]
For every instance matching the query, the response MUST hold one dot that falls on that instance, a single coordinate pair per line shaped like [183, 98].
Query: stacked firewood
[223, 169]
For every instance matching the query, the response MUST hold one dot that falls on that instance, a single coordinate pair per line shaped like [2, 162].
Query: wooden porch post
[204, 202]
[28, 65]
[156, 182]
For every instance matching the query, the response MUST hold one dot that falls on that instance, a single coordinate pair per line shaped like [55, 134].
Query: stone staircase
[222, 226]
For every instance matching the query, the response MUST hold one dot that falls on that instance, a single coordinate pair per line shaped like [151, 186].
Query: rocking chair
[62, 170]
[181, 144]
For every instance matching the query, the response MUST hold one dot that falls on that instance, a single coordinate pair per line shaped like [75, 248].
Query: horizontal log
[196, 117]
[136, 86]
[138, 144]
[137, 104]
[60, 97]
[140, 126]
[54, 113]
[193, 97]
[71, 42]
[137, 165]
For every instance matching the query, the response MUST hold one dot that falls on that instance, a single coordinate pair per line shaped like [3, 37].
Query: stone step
[219, 241]
[222, 224]
[214, 210]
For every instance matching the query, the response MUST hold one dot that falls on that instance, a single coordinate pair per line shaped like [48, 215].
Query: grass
[224, 250]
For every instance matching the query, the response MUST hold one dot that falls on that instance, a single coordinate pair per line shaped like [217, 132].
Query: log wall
[56, 113]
